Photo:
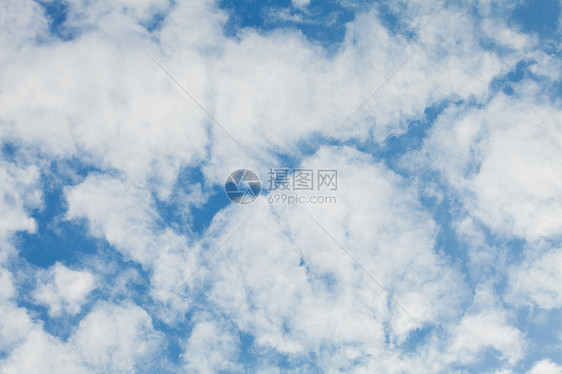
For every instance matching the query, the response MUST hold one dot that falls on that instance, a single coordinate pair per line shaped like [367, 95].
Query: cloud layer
[442, 253]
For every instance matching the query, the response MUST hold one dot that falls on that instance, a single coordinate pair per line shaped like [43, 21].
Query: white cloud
[545, 367]
[15, 323]
[538, 279]
[42, 353]
[112, 338]
[211, 347]
[64, 102]
[229, 78]
[300, 3]
[125, 215]
[63, 290]
[22, 24]
[484, 260]
[121, 213]
[486, 325]
[18, 193]
[100, 98]
[327, 300]
[503, 159]
[118, 338]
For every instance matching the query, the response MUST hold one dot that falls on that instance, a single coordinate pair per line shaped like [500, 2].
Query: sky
[280, 186]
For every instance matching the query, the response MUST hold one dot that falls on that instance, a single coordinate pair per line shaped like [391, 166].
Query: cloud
[23, 23]
[287, 283]
[19, 193]
[98, 99]
[42, 353]
[545, 367]
[211, 347]
[503, 161]
[537, 280]
[118, 338]
[63, 290]
[126, 217]
[486, 325]
[300, 3]
[15, 323]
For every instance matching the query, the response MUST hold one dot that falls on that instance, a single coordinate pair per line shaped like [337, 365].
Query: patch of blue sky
[61, 326]
[8, 151]
[507, 84]
[69, 243]
[156, 22]
[175, 333]
[540, 328]
[247, 348]
[55, 238]
[417, 338]
[321, 21]
[391, 151]
[444, 213]
[543, 340]
[291, 158]
[487, 360]
[397, 146]
[114, 266]
[56, 13]
[187, 212]
[539, 17]
[203, 215]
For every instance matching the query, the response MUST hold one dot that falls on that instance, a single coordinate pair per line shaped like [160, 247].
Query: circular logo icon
[242, 186]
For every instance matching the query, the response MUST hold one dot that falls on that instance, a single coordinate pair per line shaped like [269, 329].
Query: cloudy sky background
[111, 186]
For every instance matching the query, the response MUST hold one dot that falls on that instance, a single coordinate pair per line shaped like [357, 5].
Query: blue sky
[121, 252]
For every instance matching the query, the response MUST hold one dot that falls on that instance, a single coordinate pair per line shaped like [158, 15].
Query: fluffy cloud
[538, 280]
[211, 347]
[504, 160]
[19, 192]
[43, 353]
[63, 289]
[486, 325]
[283, 280]
[126, 217]
[23, 22]
[546, 367]
[118, 338]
